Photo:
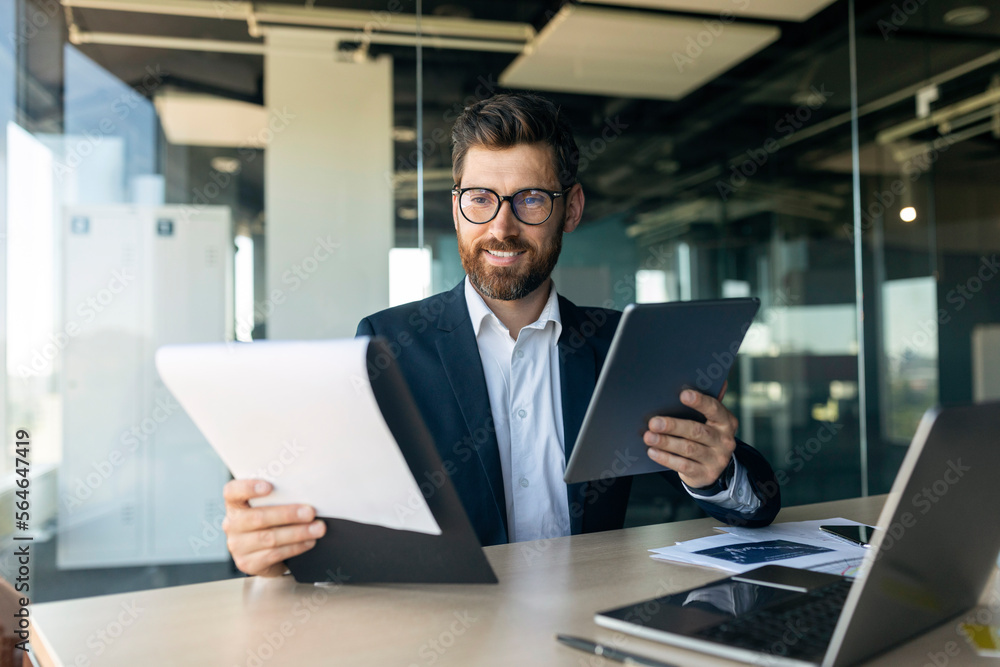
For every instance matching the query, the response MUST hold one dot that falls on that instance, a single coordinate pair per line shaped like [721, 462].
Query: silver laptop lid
[939, 539]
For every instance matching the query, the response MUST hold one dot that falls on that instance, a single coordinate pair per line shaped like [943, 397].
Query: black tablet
[658, 351]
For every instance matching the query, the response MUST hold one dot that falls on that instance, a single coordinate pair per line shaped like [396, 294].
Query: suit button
[524, 482]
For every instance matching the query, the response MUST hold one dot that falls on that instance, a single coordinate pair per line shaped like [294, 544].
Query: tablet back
[658, 351]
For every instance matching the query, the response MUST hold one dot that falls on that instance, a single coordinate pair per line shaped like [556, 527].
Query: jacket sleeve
[365, 328]
[765, 486]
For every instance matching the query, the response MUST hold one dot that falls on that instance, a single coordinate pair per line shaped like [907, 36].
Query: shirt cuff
[739, 496]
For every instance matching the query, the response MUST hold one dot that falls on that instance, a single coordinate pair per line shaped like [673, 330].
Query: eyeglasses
[531, 205]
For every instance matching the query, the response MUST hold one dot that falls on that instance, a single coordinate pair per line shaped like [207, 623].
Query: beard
[509, 283]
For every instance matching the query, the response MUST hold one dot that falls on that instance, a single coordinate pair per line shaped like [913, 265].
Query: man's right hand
[261, 538]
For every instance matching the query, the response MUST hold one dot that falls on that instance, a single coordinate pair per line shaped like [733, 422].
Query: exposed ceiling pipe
[941, 117]
[690, 180]
[904, 154]
[436, 42]
[384, 22]
[78, 36]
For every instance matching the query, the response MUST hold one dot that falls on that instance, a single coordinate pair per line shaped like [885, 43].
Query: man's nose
[505, 224]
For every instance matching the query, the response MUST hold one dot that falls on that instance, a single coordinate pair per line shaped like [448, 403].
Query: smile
[505, 254]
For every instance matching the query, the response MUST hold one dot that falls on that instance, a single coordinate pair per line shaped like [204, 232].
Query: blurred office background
[221, 170]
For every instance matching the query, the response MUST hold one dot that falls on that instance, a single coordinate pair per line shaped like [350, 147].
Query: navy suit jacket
[436, 350]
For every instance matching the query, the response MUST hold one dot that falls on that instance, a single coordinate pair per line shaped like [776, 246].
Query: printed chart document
[798, 544]
[301, 415]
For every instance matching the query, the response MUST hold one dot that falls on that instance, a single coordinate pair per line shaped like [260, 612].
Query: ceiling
[783, 10]
[612, 59]
[600, 51]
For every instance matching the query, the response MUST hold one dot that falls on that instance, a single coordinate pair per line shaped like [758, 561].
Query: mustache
[504, 246]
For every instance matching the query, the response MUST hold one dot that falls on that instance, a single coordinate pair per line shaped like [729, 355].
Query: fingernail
[316, 529]
[650, 438]
[659, 424]
[260, 487]
[687, 396]
[304, 513]
[310, 544]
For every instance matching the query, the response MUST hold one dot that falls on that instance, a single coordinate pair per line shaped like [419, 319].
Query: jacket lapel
[577, 377]
[459, 354]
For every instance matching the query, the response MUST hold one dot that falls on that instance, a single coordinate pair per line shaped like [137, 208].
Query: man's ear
[454, 211]
[574, 207]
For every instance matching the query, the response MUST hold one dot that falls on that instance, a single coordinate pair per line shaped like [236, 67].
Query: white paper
[301, 415]
[845, 567]
[795, 530]
[837, 555]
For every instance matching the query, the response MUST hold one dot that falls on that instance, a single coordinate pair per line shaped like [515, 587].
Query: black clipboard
[352, 553]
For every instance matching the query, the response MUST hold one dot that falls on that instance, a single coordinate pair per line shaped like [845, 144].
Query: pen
[609, 652]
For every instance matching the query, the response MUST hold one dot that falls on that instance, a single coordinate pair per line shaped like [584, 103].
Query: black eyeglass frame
[555, 194]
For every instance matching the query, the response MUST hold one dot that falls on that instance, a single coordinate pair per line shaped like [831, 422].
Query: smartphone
[861, 535]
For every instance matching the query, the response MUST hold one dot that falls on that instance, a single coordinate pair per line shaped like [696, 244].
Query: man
[501, 372]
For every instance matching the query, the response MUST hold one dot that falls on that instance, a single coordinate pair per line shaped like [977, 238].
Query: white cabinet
[138, 484]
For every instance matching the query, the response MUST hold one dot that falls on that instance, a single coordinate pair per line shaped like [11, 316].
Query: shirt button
[524, 482]
[522, 414]
[519, 354]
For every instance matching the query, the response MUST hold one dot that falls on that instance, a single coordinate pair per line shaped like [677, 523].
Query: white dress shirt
[523, 383]
[522, 379]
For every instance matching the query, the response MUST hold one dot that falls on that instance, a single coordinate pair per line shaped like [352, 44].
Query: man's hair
[511, 119]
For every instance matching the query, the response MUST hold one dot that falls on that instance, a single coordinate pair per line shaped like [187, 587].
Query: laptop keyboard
[800, 628]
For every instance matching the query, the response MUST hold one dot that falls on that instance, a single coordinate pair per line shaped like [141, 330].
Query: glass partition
[928, 138]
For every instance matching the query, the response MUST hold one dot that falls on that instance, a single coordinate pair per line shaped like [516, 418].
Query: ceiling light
[907, 214]
[400, 133]
[965, 16]
[453, 10]
[225, 165]
[194, 119]
[810, 97]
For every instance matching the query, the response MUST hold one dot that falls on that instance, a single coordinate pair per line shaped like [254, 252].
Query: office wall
[328, 198]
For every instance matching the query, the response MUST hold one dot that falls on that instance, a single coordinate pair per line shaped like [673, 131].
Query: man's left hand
[699, 453]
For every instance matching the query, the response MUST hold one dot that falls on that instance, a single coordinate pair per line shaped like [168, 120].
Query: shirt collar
[479, 311]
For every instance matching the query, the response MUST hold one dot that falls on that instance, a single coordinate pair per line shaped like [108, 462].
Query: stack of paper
[798, 544]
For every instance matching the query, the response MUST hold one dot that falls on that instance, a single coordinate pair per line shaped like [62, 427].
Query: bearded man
[502, 373]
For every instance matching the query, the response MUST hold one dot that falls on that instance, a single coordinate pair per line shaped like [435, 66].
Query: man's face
[537, 247]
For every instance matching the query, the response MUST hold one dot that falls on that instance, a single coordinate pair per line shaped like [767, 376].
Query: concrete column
[328, 193]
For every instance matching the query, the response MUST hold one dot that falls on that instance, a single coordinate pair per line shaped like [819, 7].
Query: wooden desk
[546, 587]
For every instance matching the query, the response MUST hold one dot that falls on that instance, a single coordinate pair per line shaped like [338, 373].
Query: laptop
[930, 561]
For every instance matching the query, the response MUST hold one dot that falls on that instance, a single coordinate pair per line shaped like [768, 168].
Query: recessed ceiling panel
[628, 54]
[206, 120]
[782, 10]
